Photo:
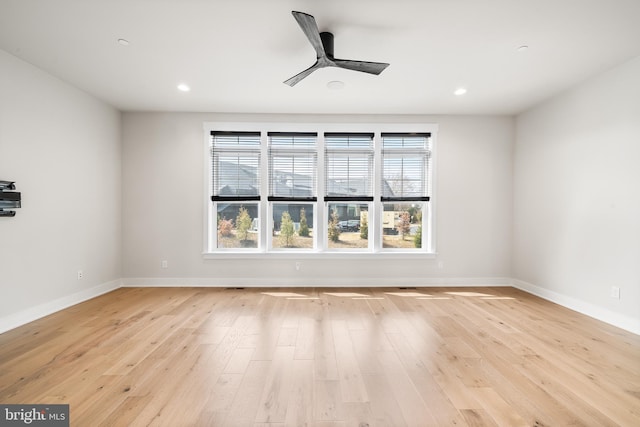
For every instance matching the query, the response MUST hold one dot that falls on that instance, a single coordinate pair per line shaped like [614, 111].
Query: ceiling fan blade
[296, 79]
[310, 29]
[323, 45]
[364, 66]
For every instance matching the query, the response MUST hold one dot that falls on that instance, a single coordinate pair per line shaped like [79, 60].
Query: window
[405, 189]
[235, 167]
[348, 185]
[319, 189]
[293, 159]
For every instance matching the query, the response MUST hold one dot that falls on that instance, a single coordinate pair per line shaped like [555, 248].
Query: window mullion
[375, 220]
[265, 214]
[320, 219]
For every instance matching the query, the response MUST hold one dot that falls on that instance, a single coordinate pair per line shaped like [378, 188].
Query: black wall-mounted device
[9, 199]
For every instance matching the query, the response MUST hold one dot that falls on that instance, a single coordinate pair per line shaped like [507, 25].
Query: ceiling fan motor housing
[327, 43]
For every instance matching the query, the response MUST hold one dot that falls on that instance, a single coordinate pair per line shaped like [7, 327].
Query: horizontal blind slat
[235, 164]
[348, 166]
[293, 163]
[405, 167]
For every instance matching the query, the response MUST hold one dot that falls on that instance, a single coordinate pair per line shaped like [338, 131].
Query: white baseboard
[622, 321]
[288, 282]
[34, 313]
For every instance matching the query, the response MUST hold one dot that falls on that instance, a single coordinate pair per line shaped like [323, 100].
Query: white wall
[560, 212]
[62, 147]
[577, 197]
[163, 206]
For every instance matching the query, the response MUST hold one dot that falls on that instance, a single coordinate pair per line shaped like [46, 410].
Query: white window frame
[423, 193]
[321, 250]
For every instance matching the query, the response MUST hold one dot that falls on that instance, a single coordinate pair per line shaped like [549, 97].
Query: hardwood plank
[305, 340]
[385, 410]
[357, 414]
[249, 395]
[125, 413]
[478, 418]
[325, 365]
[300, 405]
[127, 356]
[239, 361]
[414, 410]
[203, 357]
[168, 384]
[277, 389]
[531, 401]
[327, 405]
[352, 388]
[498, 409]
[287, 337]
[439, 405]
[220, 399]
[366, 345]
[223, 393]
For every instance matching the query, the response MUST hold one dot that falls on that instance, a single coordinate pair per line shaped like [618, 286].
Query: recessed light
[183, 87]
[123, 42]
[523, 48]
[335, 85]
[460, 91]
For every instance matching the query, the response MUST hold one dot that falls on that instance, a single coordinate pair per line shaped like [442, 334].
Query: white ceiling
[236, 54]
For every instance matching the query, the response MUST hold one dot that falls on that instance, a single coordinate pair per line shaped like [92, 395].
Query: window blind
[235, 160]
[293, 163]
[406, 167]
[348, 167]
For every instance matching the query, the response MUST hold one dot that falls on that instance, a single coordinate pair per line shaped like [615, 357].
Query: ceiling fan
[323, 45]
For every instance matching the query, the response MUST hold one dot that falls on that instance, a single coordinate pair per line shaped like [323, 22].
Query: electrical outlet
[615, 292]
[298, 265]
[80, 274]
[164, 264]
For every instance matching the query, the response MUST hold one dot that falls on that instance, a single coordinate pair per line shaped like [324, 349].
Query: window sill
[318, 255]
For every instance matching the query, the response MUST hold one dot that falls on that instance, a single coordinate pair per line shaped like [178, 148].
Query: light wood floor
[217, 357]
